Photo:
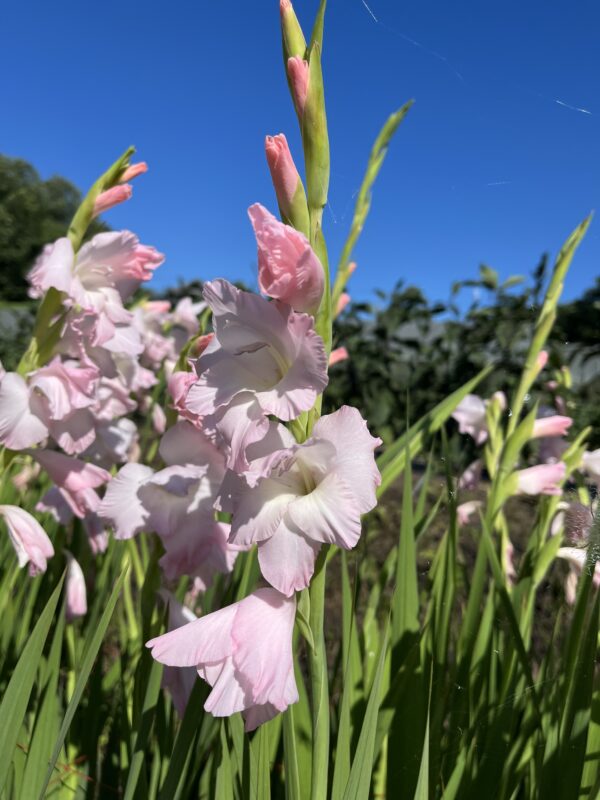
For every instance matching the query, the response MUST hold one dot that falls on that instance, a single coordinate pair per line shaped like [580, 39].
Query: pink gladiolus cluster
[227, 452]
[227, 474]
[72, 416]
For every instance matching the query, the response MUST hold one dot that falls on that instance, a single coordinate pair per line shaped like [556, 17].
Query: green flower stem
[319, 681]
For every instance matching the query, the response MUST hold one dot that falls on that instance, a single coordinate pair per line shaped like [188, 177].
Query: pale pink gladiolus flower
[471, 477]
[23, 478]
[466, 510]
[576, 558]
[541, 479]
[343, 301]
[21, 413]
[244, 651]
[284, 174]
[159, 419]
[75, 482]
[133, 171]
[111, 198]
[541, 360]
[185, 315]
[551, 426]
[337, 355]
[288, 268]
[114, 443]
[178, 386]
[68, 473]
[470, 415]
[298, 73]
[54, 400]
[259, 347]
[107, 270]
[54, 502]
[177, 503]
[76, 599]
[29, 539]
[315, 492]
[590, 463]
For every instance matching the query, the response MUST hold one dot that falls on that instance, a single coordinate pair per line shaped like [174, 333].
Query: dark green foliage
[408, 345]
[33, 212]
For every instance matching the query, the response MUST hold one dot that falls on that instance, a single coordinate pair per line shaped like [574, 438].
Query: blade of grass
[92, 647]
[16, 697]
[359, 782]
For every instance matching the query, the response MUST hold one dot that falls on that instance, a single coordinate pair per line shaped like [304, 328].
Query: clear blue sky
[494, 162]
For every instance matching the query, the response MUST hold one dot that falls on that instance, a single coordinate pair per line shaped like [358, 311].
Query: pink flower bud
[551, 426]
[541, 360]
[542, 479]
[351, 267]
[202, 343]
[298, 71]
[159, 419]
[337, 355]
[76, 605]
[500, 398]
[466, 510]
[471, 477]
[288, 268]
[133, 171]
[590, 463]
[342, 303]
[111, 198]
[29, 539]
[283, 170]
[508, 561]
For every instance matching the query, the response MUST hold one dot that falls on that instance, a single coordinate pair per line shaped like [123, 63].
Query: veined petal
[267, 617]
[328, 514]
[287, 559]
[121, 505]
[259, 512]
[20, 427]
[206, 640]
[354, 461]
[29, 539]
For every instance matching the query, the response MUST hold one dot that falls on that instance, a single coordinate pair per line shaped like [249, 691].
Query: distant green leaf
[16, 697]
[363, 200]
[489, 277]
[359, 782]
[47, 719]
[92, 647]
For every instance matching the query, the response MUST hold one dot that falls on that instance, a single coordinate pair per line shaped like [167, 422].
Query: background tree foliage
[33, 212]
[407, 345]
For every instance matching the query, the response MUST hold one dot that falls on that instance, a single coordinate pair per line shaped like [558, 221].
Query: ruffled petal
[20, 427]
[206, 640]
[121, 505]
[266, 617]
[354, 461]
[328, 514]
[287, 559]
